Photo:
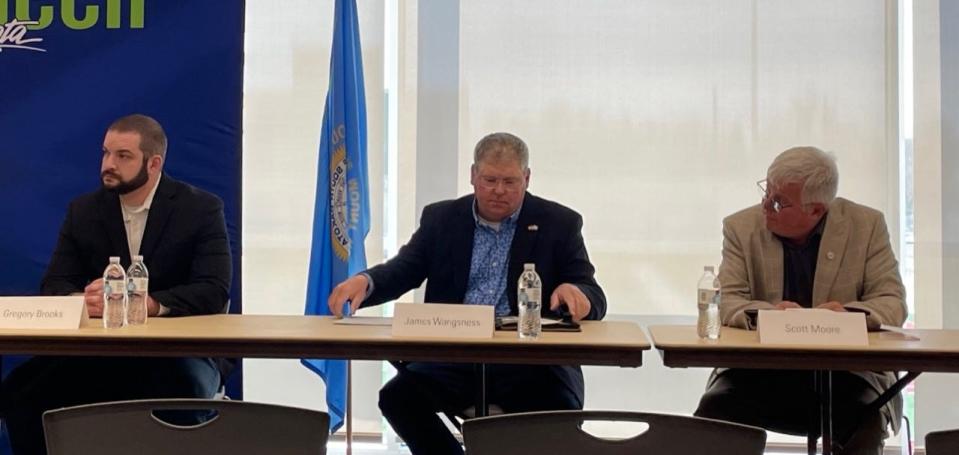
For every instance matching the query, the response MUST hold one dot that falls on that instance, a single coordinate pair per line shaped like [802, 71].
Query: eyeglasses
[777, 205]
[511, 184]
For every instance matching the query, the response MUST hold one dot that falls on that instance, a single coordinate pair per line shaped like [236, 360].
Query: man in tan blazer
[803, 247]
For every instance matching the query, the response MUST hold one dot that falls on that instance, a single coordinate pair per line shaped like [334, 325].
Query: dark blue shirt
[799, 267]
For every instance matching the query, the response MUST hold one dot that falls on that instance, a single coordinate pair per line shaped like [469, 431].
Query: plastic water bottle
[138, 280]
[114, 295]
[709, 295]
[529, 299]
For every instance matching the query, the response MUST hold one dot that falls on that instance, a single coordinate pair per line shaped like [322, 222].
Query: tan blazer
[855, 266]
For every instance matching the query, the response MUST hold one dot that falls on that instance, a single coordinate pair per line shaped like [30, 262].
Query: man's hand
[834, 305]
[93, 298]
[574, 299]
[353, 289]
[786, 304]
[153, 307]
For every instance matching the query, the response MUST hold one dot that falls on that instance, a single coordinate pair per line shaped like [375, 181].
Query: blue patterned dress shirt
[490, 263]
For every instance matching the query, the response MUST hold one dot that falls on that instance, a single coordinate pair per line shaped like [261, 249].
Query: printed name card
[42, 312]
[812, 327]
[435, 320]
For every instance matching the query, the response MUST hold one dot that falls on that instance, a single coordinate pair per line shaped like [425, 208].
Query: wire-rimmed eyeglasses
[776, 204]
[509, 184]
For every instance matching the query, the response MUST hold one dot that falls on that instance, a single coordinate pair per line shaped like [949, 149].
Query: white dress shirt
[135, 220]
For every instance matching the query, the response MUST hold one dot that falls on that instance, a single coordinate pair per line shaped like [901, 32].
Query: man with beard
[181, 234]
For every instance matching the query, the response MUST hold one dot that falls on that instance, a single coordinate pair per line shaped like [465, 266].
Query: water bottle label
[111, 286]
[707, 296]
[534, 295]
[137, 284]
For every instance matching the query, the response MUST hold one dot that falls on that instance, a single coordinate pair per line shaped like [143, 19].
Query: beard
[126, 186]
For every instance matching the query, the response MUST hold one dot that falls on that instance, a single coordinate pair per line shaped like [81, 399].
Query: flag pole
[349, 407]
[341, 208]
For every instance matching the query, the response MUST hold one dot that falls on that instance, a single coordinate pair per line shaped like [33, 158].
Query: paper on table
[365, 320]
[888, 331]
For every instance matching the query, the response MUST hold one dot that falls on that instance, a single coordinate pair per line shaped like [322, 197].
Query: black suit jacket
[547, 234]
[186, 250]
[185, 247]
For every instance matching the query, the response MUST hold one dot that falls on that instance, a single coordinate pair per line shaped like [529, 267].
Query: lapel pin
[830, 255]
[532, 228]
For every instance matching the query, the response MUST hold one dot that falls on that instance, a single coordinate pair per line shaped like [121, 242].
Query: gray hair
[810, 165]
[501, 146]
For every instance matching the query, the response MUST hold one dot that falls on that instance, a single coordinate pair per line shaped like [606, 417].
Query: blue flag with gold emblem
[341, 213]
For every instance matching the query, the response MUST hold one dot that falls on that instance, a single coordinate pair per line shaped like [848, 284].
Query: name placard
[42, 312]
[812, 327]
[436, 320]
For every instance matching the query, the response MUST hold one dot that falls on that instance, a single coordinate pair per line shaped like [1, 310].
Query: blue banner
[341, 213]
[68, 68]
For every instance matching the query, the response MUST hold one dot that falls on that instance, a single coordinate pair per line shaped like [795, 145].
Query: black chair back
[203, 427]
[555, 432]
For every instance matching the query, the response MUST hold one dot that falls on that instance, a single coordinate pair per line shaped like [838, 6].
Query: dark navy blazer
[547, 234]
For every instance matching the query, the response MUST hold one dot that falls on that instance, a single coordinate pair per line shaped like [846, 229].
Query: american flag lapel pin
[532, 228]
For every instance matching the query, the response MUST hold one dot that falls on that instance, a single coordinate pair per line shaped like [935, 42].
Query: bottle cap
[708, 268]
[529, 266]
[138, 258]
[114, 259]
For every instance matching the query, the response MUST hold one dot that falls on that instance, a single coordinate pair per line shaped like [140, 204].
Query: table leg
[482, 407]
[822, 413]
[825, 378]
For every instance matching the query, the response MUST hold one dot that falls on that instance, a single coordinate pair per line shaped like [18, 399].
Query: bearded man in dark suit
[180, 232]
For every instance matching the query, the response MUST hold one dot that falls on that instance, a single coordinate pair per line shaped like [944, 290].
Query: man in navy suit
[471, 251]
[181, 234]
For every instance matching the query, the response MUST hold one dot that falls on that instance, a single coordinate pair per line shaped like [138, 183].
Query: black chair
[562, 432]
[229, 427]
[942, 442]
